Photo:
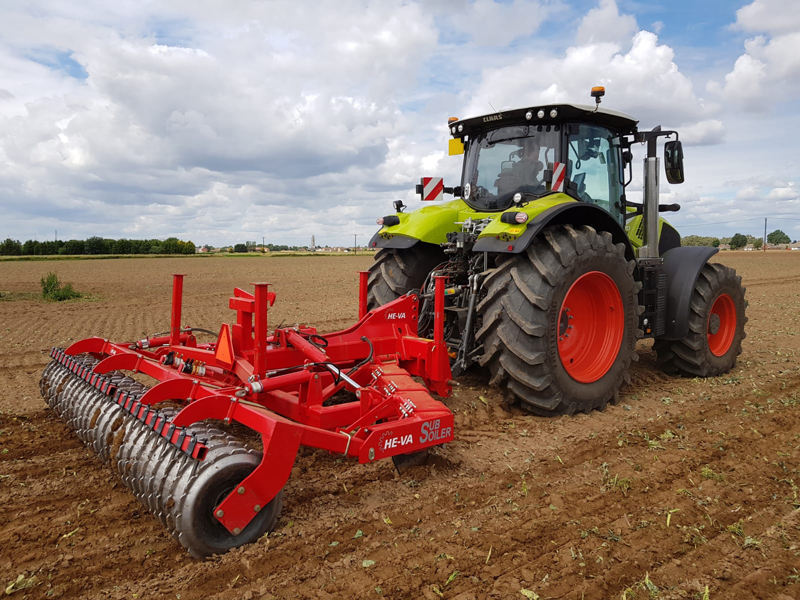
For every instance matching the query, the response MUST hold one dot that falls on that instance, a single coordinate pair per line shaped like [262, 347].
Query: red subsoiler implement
[350, 392]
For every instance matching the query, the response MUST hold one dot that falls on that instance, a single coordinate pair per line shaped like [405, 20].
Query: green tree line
[253, 247]
[736, 241]
[95, 245]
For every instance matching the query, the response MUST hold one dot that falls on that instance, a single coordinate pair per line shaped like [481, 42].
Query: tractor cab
[526, 154]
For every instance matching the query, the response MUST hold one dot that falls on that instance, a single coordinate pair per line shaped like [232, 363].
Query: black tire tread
[395, 272]
[690, 356]
[516, 319]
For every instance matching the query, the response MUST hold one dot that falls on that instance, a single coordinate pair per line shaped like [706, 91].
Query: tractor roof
[566, 112]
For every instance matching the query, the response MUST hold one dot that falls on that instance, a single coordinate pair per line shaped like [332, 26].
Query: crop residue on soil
[685, 485]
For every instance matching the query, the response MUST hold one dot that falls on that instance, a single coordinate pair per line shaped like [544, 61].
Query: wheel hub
[722, 322]
[591, 327]
[563, 322]
[713, 324]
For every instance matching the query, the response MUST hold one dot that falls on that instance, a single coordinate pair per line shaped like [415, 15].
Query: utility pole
[765, 234]
[355, 243]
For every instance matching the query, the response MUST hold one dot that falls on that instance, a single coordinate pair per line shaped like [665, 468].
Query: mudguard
[398, 241]
[427, 224]
[569, 213]
[682, 267]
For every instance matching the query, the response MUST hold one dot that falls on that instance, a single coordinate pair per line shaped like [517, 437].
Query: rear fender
[569, 213]
[682, 267]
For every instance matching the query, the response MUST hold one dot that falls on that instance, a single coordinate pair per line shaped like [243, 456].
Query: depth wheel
[196, 527]
[398, 271]
[716, 327]
[560, 322]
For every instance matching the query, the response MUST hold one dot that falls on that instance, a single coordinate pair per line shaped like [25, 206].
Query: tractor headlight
[553, 113]
[467, 190]
[460, 128]
[521, 217]
[529, 115]
[389, 221]
[540, 114]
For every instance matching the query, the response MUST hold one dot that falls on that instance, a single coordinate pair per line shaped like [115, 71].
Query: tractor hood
[431, 224]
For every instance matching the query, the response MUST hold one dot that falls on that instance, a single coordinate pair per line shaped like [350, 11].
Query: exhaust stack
[651, 198]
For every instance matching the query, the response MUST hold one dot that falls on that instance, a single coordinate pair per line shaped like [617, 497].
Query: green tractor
[552, 274]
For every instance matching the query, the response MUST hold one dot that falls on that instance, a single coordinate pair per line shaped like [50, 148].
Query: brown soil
[685, 484]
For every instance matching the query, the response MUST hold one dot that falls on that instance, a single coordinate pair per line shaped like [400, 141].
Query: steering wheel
[481, 192]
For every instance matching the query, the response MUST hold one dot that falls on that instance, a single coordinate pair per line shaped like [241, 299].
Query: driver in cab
[523, 174]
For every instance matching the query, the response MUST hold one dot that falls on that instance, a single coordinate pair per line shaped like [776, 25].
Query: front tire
[560, 322]
[716, 327]
[396, 271]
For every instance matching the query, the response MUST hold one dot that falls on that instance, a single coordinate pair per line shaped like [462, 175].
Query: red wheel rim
[721, 325]
[591, 327]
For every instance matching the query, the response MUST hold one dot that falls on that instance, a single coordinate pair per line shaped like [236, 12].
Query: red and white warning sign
[432, 188]
[559, 171]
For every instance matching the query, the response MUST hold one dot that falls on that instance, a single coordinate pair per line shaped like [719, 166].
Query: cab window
[594, 169]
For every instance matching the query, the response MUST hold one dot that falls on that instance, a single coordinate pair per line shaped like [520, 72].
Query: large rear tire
[716, 327]
[397, 271]
[560, 322]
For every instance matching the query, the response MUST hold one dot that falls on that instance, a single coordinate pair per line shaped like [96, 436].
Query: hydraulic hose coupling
[189, 366]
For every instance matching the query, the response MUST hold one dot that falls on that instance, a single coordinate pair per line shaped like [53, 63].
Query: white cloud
[490, 23]
[786, 192]
[769, 70]
[773, 16]
[704, 133]
[251, 105]
[220, 125]
[605, 24]
[644, 81]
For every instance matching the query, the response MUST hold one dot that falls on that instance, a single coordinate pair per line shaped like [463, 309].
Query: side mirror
[673, 161]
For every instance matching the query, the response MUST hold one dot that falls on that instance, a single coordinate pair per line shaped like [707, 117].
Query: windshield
[508, 160]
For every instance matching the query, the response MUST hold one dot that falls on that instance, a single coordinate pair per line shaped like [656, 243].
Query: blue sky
[222, 124]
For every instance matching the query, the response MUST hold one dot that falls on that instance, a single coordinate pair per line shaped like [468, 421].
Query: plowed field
[684, 485]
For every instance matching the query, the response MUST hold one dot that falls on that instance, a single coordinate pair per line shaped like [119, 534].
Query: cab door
[594, 167]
